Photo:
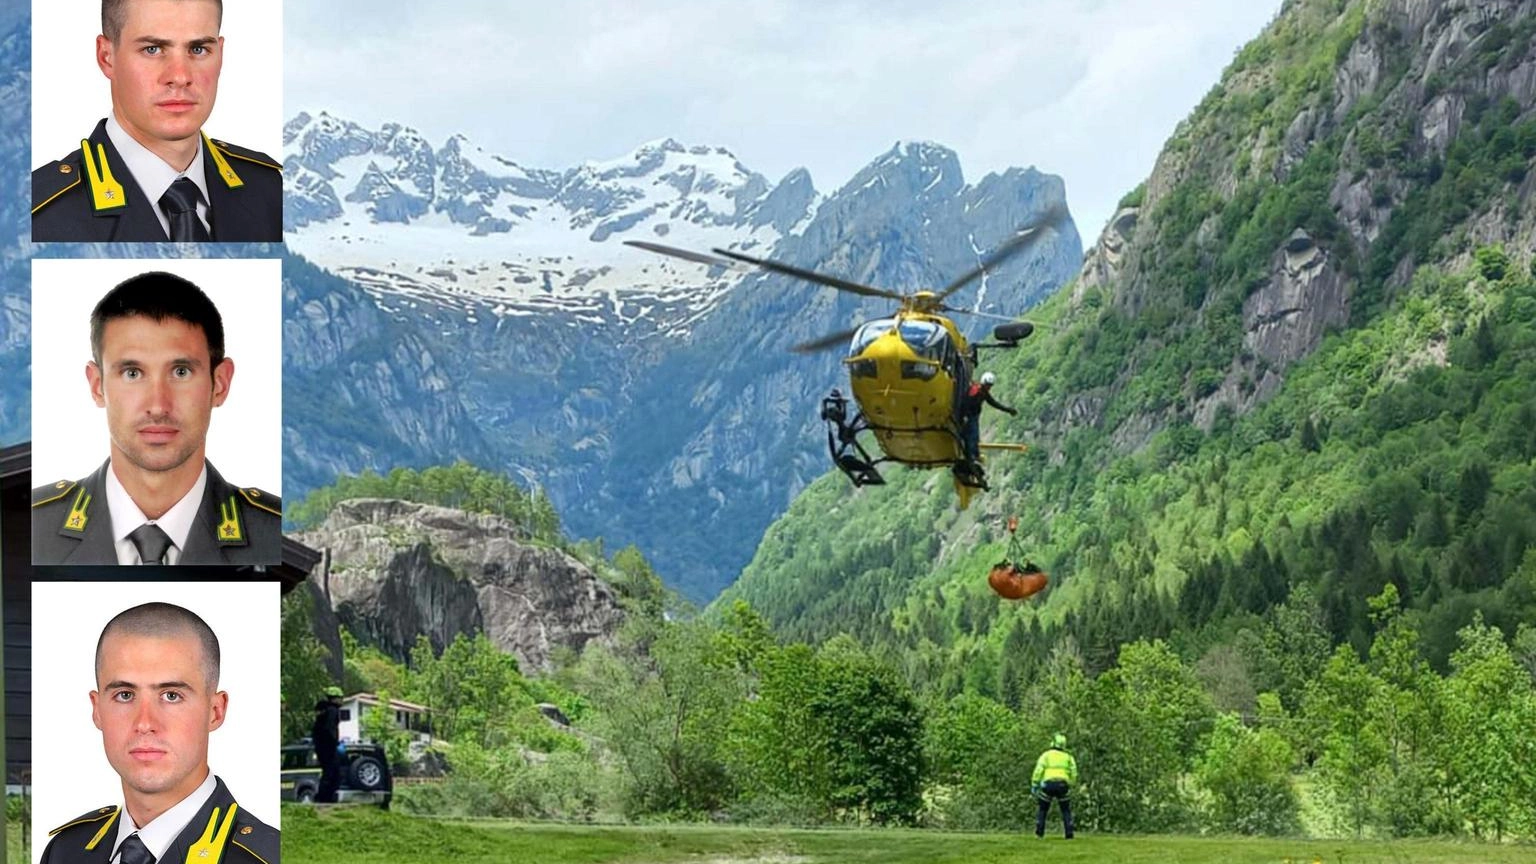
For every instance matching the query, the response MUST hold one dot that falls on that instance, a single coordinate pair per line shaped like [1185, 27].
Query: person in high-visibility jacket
[1055, 772]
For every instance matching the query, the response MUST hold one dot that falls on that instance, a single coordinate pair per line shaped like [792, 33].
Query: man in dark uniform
[157, 700]
[158, 368]
[326, 734]
[148, 172]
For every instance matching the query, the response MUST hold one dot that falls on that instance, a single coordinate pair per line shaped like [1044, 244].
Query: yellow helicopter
[907, 372]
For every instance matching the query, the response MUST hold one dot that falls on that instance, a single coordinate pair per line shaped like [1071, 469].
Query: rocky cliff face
[399, 569]
[1353, 151]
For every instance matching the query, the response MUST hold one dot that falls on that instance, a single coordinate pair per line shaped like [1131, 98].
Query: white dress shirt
[127, 517]
[154, 175]
[158, 835]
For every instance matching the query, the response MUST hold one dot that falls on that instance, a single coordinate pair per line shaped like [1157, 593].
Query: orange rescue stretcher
[1015, 581]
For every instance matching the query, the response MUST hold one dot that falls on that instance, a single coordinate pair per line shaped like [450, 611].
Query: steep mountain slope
[653, 400]
[1302, 352]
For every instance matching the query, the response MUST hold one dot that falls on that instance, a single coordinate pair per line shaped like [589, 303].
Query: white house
[408, 716]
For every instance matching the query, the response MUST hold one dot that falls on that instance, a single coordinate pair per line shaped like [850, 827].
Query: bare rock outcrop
[1306, 294]
[399, 569]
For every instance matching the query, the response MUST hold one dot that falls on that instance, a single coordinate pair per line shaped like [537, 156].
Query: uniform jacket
[89, 196]
[71, 524]
[1055, 764]
[325, 732]
[220, 833]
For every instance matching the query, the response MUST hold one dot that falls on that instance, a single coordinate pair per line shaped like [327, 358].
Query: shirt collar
[176, 523]
[154, 175]
[163, 830]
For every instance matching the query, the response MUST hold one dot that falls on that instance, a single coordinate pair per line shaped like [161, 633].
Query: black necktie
[180, 205]
[151, 542]
[134, 852]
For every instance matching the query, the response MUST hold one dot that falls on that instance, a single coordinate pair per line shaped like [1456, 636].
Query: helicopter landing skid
[843, 442]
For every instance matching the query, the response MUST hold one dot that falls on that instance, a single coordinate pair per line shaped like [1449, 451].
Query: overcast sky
[1085, 89]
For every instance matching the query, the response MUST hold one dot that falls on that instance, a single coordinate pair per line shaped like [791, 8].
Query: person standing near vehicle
[326, 735]
[1055, 772]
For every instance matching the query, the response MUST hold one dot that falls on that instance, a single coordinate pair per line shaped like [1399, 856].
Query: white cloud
[1086, 90]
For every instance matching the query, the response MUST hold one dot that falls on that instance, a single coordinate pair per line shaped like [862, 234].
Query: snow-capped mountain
[488, 310]
[460, 224]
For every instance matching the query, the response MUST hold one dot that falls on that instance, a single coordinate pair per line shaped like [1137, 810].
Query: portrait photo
[156, 412]
[155, 709]
[180, 103]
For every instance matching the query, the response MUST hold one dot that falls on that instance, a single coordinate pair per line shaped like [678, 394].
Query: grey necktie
[134, 851]
[151, 541]
[180, 205]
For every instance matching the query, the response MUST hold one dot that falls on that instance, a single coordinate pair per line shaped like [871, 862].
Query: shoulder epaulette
[263, 500]
[48, 494]
[107, 816]
[50, 182]
[257, 838]
[248, 155]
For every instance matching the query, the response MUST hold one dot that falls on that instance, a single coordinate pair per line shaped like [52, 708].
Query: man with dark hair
[156, 701]
[158, 368]
[148, 173]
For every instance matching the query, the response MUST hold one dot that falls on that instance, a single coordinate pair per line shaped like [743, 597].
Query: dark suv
[365, 774]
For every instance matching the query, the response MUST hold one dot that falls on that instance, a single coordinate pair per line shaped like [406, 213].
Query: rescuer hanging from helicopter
[969, 410]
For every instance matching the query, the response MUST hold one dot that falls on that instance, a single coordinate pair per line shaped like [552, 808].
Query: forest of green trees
[716, 718]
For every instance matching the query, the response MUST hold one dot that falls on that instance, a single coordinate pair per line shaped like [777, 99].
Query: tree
[1490, 755]
[977, 752]
[1353, 752]
[1134, 731]
[473, 689]
[1247, 775]
[378, 725]
[1405, 708]
[875, 730]
[304, 674]
[666, 716]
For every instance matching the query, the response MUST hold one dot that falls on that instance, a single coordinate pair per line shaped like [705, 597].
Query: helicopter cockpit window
[871, 331]
[926, 339]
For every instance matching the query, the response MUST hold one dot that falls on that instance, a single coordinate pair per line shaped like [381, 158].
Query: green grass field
[367, 835]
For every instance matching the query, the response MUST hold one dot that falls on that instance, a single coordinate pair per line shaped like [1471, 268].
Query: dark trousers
[330, 774]
[970, 434]
[1059, 791]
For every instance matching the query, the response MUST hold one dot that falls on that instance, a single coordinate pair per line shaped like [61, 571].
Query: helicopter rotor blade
[1014, 245]
[824, 342]
[952, 310]
[811, 276]
[685, 254]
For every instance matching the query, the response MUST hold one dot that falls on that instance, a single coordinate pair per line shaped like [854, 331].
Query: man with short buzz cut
[158, 368]
[148, 172]
[156, 702]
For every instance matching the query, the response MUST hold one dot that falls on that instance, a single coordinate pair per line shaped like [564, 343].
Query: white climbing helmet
[988, 378]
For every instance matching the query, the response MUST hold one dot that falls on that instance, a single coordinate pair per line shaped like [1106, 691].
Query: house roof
[373, 699]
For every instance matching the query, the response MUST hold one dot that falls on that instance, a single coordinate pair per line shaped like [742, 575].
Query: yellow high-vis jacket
[1055, 764]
